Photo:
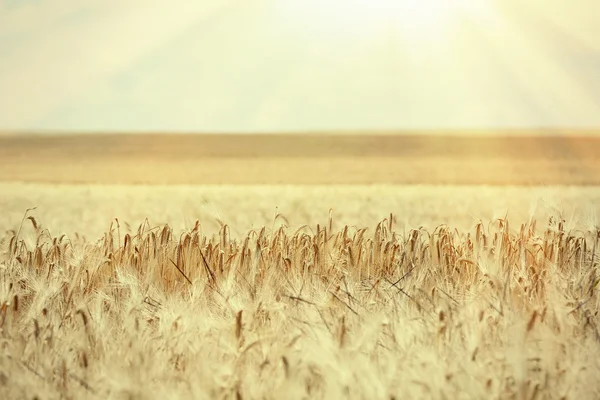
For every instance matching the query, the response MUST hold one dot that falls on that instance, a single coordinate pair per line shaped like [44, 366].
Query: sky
[298, 65]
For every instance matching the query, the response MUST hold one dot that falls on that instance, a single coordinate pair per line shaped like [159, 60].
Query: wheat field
[385, 291]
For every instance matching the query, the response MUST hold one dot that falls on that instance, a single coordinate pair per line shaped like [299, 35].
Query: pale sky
[298, 65]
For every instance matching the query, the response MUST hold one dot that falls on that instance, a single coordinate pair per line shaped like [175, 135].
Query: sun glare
[423, 13]
[417, 19]
[418, 11]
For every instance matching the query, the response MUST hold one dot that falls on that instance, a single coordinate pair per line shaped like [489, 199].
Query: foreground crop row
[501, 311]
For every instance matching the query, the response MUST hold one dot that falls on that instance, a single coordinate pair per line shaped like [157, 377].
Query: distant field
[302, 159]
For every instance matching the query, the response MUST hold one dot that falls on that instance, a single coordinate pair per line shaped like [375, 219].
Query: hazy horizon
[298, 66]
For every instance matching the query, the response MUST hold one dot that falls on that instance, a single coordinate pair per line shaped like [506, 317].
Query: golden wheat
[495, 312]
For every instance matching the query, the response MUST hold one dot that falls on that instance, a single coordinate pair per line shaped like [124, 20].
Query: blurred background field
[81, 182]
[526, 157]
